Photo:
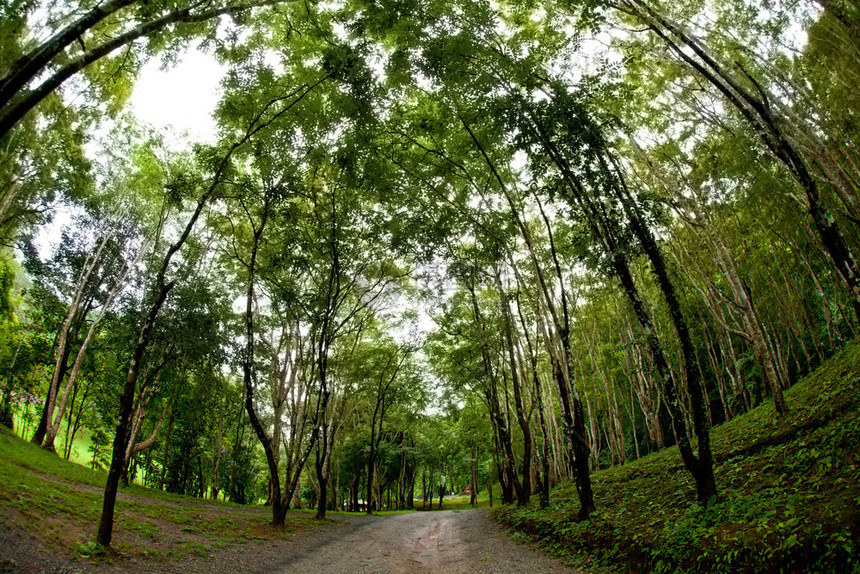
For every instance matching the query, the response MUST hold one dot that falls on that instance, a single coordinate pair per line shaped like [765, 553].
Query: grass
[789, 494]
[60, 503]
[457, 502]
[81, 444]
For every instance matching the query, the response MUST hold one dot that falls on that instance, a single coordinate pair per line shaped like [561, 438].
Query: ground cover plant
[790, 500]
[59, 503]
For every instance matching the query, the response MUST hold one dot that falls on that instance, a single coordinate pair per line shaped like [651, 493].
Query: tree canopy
[462, 242]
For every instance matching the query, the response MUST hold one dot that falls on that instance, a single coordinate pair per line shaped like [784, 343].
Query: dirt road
[466, 541]
[444, 542]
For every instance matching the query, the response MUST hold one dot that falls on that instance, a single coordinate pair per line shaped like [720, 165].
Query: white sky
[182, 97]
[179, 99]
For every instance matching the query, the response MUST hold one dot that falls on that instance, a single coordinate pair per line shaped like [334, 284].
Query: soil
[467, 541]
[21, 552]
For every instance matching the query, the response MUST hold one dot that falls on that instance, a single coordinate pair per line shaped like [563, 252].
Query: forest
[503, 248]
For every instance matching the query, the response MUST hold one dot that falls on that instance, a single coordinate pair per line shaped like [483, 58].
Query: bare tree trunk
[544, 482]
[135, 447]
[250, 372]
[63, 348]
[161, 291]
[216, 464]
[15, 101]
[126, 401]
[119, 285]
[491, 394]
[167, 452]
[323, 467]
[523, 489]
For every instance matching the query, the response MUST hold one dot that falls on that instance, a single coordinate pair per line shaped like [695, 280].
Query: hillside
[789, 494]
[49, 510]
[790, 501]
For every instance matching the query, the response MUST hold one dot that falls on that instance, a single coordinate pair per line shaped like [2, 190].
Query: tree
[746, 94]
[58, 58]
[386, 373]
[220, 164]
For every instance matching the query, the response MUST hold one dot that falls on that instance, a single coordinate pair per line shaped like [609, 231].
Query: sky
[182, 97]
[179, 99]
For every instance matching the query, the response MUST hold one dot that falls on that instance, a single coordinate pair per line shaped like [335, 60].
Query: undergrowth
[789, 494]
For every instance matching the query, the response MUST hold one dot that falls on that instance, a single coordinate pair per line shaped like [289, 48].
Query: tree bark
[54, 427]
[126, 401]
[161, 291]
[511, 482]
[250, 372]
[31, 64]
[46, 427]
[523, 489]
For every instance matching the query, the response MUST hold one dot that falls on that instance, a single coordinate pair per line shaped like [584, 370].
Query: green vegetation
[60, 503]
[790, 497]
[82, 444]
[457, 502]
[432, 245]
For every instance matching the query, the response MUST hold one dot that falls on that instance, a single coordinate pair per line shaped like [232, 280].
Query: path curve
[450, 541]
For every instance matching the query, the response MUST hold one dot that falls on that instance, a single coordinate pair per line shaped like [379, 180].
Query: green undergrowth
[60, 503]
[789, 494]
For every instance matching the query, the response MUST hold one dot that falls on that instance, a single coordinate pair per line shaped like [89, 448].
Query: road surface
[467, 541]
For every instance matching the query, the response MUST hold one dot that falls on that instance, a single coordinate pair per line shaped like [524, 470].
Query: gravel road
[445, 542]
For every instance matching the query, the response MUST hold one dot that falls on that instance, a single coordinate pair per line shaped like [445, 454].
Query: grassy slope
[81, 444]
[789, 488]
[60, 503]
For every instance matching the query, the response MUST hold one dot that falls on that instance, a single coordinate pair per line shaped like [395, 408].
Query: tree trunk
[702, 468]
[167, 452]
[596, 219]
[46, 432]
[491, 394]
[756, 109]
[16, 102]
[250, 373]
[441, 486]
[473, 495]
[523, 490]
[323, 468]
[126, 402]
[31, 64]
[54, 427]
